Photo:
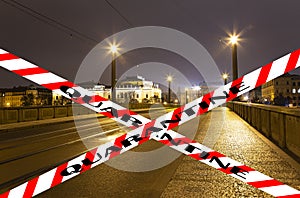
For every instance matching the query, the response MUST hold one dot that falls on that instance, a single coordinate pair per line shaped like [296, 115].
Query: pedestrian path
[238, 140]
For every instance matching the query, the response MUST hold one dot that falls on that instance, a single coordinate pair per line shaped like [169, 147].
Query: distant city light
[197, 88]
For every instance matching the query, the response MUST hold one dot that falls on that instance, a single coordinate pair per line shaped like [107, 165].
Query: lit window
[299, 90]
[294, 90]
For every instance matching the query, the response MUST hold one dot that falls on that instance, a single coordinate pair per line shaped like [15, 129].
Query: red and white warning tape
[156, 129]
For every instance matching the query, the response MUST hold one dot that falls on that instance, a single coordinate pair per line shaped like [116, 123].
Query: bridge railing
[279, 124]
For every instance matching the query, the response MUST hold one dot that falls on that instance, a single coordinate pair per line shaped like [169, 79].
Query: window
[108, 96]
[56, 97]
[299, 90]
[294, 98]
[137, 95]
[294, 83]
[299, 98]
[276, 83]
[146, 95]
[288, 91]
[298, 83]
[294, 90]
[287, 82]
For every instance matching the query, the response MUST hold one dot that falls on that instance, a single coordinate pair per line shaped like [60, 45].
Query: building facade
[284, 90]
[134, 89]
[25, 96]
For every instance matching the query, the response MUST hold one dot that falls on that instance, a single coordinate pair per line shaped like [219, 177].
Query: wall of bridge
[279, 124]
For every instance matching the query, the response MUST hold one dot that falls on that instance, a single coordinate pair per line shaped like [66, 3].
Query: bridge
[263, 137]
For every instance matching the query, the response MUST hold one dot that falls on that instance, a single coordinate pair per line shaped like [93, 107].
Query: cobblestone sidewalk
[238, 141]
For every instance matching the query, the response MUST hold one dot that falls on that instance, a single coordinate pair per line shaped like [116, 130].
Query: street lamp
[169, 79]
[186, 95]
[234, 41]
[113, 50]
[225, 77]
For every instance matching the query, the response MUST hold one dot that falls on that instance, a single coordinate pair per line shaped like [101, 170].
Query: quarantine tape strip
[156, 129]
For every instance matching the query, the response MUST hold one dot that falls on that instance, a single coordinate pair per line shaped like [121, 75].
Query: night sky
[57, 35]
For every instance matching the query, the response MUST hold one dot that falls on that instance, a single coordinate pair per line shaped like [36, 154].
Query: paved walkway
[238, 141]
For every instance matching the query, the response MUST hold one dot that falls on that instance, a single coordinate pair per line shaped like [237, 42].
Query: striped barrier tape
[156, 129]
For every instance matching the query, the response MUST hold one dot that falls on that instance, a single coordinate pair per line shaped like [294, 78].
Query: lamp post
[225, 77]
[186, 96]
[113, 50]
[169, 79]
[234, 41]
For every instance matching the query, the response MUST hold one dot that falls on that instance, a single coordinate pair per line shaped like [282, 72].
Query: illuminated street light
[169, 79]
[233, 39]
[186, 95]
[113, 50]
[225, 77]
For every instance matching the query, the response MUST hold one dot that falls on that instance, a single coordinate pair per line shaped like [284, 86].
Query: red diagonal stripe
[30, 71]
[243, 169]
[263, 75]
[184, 140]
[205, 98]
[211, 154]
[146, 126]
[58, 177]
[290, 196]
[177, 112]
[215, 154]
[53, 86]
[265, 183]
[30, 187]
[118, 144]
[4, 195]
[7, 56]
[292, 61]
[236, 83]
[91, 156]
[125, 111]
